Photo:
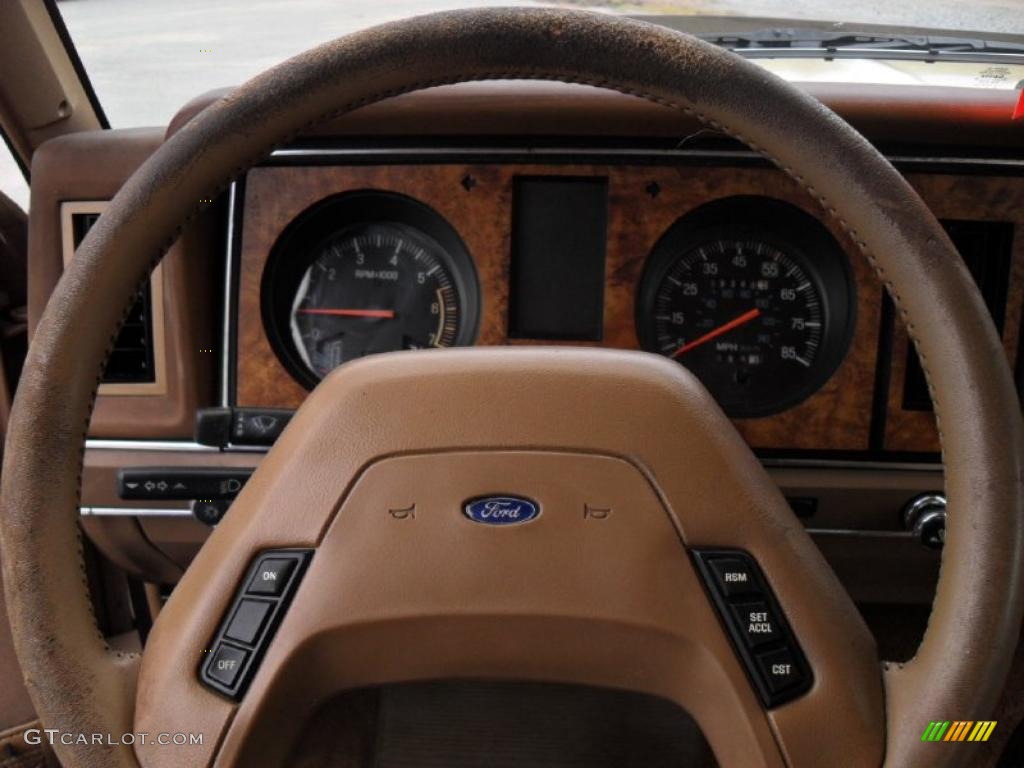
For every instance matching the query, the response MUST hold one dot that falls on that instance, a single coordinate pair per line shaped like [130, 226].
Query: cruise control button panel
[252, 619]
[756, 625]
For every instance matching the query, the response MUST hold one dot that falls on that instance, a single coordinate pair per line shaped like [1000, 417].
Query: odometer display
[755, 318]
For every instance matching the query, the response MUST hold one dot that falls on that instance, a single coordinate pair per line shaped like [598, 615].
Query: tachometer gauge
[367, 286]
[759, 306]
[373, 288]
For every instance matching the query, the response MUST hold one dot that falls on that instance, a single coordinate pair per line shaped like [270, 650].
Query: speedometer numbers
[762, 321]
[741, 313]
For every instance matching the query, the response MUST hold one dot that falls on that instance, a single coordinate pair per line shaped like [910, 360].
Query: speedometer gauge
[364, 273]
[754, 299]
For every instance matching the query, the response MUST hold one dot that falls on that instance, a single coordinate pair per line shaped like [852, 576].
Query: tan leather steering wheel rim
[78, 684]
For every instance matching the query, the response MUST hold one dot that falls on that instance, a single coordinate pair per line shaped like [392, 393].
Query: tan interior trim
[156, 288]
[53, 101]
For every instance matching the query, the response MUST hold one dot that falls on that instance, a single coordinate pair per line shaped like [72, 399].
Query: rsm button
[733, 576]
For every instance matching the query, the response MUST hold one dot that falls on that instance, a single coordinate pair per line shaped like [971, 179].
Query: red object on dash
[721, 330]
[1018, 111]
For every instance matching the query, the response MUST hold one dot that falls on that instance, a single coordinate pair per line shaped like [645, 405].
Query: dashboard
[534, 213]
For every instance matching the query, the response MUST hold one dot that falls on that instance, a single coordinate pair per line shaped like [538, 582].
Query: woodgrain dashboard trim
[839, 415]
[918, 167]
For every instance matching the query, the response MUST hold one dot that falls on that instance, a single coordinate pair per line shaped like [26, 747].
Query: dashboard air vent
[131, 361]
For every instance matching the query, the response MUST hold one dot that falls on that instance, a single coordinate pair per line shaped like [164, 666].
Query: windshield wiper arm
[783, 41]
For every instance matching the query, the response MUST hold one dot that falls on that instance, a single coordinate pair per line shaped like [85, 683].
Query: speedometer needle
[743, 319]
[388, 314]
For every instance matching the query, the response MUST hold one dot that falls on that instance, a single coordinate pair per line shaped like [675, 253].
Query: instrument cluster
[751, 294]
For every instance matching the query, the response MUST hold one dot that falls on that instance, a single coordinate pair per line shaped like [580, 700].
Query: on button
[271, 576]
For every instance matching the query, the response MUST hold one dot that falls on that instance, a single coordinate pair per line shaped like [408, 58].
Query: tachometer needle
[387, 314]
[743, 319]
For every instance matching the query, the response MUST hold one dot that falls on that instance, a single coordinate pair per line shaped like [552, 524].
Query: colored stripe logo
[958, 730]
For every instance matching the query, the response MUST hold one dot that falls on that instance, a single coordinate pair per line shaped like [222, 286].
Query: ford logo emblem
[501, 510]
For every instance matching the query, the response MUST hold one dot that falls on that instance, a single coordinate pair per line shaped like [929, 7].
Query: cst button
[733, 576]
[756, 622]
[779, 669]
[226, 665]
[271, 576]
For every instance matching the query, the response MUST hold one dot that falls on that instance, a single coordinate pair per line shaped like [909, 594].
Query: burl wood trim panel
[838, 416]
[980, 198]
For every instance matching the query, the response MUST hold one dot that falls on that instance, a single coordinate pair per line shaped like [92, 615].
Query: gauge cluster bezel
[297, 247]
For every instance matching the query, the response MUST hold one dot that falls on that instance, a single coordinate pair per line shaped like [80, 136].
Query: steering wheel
[618, 600]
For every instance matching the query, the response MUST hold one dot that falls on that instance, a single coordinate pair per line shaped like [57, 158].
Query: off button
[271, 576]
[733, 576]
[226, 664]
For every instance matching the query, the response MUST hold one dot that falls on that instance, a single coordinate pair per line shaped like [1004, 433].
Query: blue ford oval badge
[501, 510]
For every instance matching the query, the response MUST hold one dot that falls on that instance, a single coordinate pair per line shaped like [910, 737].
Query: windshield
[146, 58]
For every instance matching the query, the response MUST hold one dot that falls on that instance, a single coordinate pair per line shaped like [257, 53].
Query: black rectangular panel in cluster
[180, 483]
[559, 239]
[986, 248]
[250, 623]
[755, 624]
